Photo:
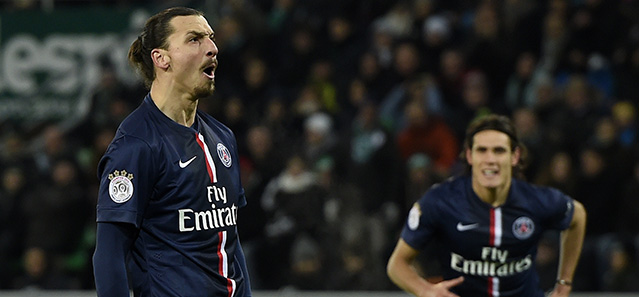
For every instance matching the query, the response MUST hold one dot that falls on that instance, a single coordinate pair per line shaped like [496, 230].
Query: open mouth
[489, 172]
[208, 71]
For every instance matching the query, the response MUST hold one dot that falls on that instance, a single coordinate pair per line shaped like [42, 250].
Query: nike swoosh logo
[184, 164]
[461, 227]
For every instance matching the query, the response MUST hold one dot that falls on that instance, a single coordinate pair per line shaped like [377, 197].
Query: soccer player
[489, 223]
[170, 182]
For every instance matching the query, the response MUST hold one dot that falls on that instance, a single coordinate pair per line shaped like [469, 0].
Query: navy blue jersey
[180, 186]
[494, 248]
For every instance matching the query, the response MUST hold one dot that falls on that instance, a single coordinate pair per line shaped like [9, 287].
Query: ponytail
[140, 59]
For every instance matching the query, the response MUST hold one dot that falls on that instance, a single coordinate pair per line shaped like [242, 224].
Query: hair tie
[142, 39]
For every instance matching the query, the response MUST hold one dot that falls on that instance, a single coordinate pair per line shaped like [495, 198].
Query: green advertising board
[50, 62]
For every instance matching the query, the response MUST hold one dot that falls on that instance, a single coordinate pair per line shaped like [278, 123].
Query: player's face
[492, 159]
[193, 55]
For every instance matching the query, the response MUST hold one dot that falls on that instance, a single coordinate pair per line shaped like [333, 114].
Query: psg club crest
[523, 227]
[120, 187]
[224, 154]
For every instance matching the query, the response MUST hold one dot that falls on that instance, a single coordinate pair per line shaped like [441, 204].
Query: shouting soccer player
[489, 223]
[170, 182]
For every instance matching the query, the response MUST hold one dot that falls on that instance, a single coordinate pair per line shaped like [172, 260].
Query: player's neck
[493, 196]
[178, 106]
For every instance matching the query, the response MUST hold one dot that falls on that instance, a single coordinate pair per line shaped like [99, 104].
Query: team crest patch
[224, 154]
[120, 187]
[413, 217]
[523, 227]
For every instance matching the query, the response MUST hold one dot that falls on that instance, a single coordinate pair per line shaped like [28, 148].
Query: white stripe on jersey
[209, 159]
[498, 231]
[224, 260]
[495, 288]
[233, 286]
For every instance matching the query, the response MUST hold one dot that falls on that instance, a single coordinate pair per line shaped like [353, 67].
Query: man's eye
[500, 150]
[194, 39]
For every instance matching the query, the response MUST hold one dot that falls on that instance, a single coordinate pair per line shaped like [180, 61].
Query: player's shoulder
[136, 131]
[538, 194]
[213, 123]
[137, 122]
[449, 190]
[535, 189]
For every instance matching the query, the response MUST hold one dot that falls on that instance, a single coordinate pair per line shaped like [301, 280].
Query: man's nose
[212, 52]
[491, 157]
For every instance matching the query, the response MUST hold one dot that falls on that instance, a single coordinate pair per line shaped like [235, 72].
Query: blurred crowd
[345, 113]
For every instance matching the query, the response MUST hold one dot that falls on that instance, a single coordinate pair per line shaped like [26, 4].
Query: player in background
[169, 181]
[489, 223]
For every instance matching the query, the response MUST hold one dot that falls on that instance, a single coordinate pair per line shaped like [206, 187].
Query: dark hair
[498, 123]
[156, 30]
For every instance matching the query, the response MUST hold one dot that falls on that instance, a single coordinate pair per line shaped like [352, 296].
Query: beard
[204, 91]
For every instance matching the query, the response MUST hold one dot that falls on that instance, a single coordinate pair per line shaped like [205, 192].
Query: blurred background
[345, 113]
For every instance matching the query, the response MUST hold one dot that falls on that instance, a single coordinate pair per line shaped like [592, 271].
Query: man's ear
[160, 58]
[469, 157]
[516, 156]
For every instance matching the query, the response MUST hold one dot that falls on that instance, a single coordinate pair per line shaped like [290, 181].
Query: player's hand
[442, 288]
[560, 291]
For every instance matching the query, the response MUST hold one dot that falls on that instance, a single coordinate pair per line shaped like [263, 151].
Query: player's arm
[239, 257]
[401, 271]
[113, 243]
[571, 243]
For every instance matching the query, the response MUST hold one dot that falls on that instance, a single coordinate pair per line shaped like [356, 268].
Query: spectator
[559, 172]
[12, 195]
[623, 270]
[428, 134]
[56, 216]
[293, 207]
[319, 138]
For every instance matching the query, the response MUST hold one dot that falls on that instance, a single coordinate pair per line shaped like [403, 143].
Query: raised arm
[571, 243]
[400, 270]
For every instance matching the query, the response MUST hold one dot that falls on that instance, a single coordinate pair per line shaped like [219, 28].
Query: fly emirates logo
[494, 263]
[216, 217]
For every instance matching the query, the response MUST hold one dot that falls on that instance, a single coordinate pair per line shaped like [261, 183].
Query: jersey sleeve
[420, 225]
[127, 174]
[242, 198]
[560, 210]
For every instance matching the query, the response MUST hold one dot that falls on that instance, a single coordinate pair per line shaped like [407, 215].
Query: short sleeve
[561, 209]
[242, 196]
[420, 224]
[127, 174]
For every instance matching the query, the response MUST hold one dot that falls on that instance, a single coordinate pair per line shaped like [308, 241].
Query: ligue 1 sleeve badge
[413, 217]
[120, 187]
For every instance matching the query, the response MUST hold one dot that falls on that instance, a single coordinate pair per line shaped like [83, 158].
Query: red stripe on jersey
[223, 263]
[494, 241]
[207, 155]
[229, 286]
